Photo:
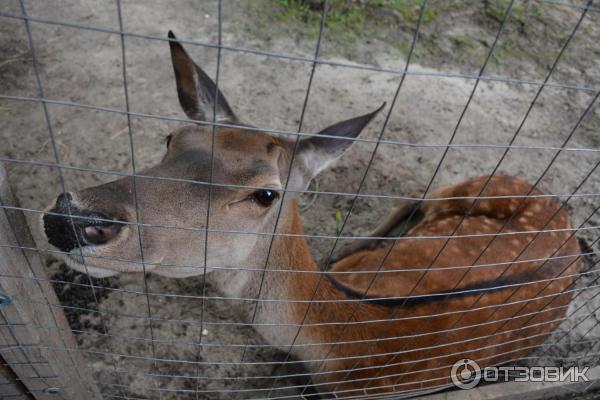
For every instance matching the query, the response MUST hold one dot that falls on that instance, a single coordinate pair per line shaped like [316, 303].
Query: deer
[480, 271]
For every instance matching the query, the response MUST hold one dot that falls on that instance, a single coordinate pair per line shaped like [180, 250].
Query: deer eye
[265, 197]
[168, 140]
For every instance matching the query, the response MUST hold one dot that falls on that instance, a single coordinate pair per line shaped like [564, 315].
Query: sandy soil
[85, 67]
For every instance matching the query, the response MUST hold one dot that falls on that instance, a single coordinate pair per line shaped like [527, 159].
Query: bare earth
[85, 67]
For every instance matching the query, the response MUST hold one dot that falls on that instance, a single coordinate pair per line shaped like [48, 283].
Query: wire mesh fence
[225, 299]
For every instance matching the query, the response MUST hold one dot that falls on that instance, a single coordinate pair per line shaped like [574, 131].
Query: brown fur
[492, 342]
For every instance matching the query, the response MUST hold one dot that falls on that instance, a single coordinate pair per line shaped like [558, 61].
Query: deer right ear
[318, 152]
[198, 94]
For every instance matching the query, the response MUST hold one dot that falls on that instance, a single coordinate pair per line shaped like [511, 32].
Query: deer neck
[300, 272]
[297, 286]
[282, 281]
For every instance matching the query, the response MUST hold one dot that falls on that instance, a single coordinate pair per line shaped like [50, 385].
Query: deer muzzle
[68, 227]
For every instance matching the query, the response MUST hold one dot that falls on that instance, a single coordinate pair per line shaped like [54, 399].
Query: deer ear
[318, 152]
[198, 94]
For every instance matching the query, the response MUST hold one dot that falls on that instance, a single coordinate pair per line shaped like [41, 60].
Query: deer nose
[67, 226]
[100, 234]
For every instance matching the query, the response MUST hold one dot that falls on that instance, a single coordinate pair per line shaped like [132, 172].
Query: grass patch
[522, 11]
[346, 20]
[454, 33]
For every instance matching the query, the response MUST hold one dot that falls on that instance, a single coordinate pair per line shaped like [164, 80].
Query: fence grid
[105, 371]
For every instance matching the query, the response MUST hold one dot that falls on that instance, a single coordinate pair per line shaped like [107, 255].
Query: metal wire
[372, 321]
[365, 356]
[138, 217]
[292, 57]
[360, 186]
[40, 90]
[437, 169]
[519, 128]
[302, 386]
[296, 271]
[292, 158]
[330, 193]
[262, 377]
[338, 237]
[255, 129]
[275, 390]
[181, 343]
[210, 187]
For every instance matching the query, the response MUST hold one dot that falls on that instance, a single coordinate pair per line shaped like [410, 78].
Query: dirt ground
[84, 66]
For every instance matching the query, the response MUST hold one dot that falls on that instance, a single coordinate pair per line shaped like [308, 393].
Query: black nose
[68, 227]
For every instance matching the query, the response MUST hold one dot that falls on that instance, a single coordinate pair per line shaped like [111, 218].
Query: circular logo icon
[466, 373]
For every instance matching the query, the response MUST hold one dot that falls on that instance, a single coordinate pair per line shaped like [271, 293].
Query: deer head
[100, 222]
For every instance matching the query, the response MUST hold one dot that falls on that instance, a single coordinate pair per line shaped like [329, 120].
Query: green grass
[453, 32]
[294, 14]
[408, 10]
[521, 12]
[346, 19]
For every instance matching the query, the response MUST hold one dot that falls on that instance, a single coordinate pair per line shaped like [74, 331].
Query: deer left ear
[198, 94]
[318, 152]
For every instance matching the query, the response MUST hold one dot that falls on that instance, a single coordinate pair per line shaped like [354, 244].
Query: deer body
[432, 331]
[424, 302]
